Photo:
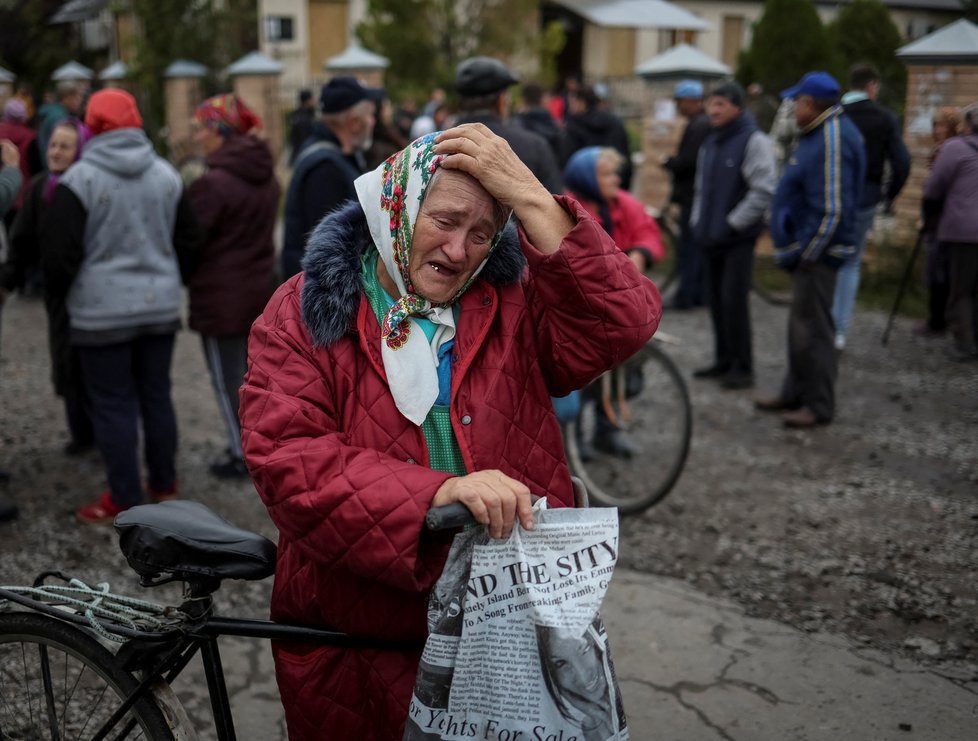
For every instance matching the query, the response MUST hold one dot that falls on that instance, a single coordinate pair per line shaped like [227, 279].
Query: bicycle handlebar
[448, 516]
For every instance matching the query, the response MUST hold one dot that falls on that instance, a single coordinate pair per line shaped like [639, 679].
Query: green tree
[212, 33]
[789, 40]
[970, 10]
[864, 32]
[32, 48]
[426, 39]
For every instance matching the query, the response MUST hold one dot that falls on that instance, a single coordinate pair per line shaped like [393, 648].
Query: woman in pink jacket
[410, 365]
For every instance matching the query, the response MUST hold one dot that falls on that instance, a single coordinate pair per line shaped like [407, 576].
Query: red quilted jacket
[345, 476]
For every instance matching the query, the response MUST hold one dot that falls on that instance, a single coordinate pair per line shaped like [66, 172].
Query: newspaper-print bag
[516, 648]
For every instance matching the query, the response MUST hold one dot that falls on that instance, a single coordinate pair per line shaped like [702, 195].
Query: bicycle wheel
[59, 683]
[659, 432]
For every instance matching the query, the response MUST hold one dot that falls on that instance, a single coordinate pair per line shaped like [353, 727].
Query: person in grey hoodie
[124, 231]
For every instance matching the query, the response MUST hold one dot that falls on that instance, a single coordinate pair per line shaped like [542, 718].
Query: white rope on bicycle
[98, 604]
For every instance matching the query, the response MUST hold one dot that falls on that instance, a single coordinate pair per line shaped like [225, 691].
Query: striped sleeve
[831, 201]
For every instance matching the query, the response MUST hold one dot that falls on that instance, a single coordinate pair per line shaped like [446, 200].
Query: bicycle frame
[169, 653]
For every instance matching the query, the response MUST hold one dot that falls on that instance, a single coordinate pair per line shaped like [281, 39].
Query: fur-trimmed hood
[333, 286]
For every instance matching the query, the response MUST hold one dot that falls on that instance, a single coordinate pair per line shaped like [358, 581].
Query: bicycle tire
[58, 682]
[661, 430]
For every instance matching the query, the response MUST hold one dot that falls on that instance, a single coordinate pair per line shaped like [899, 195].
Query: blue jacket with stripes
[814, 208]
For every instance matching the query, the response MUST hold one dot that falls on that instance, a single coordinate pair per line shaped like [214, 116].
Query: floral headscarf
[391, 197]
[228, 115]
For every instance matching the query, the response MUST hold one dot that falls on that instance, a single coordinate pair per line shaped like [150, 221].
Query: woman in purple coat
[236, 203]
[953, 183]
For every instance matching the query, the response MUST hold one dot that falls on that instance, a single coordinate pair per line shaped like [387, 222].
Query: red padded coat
[345, 476]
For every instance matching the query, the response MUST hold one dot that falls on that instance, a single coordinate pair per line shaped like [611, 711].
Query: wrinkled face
[452, 236]
[721, 111]
[608, 179]
[61, 148]
[577, 669]
[361, 124]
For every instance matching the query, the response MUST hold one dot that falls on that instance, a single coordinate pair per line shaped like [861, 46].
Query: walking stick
[903, 285]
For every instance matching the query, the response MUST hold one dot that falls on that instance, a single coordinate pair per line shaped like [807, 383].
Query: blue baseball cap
[688, 89]
[816, 84]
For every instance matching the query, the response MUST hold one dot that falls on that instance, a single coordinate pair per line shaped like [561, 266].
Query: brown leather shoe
[773, 404]
[801, 419]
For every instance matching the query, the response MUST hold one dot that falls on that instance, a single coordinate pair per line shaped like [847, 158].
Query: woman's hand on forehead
[474, 149]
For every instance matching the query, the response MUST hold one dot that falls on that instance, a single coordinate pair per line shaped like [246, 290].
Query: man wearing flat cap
[688, 95]
[482, 84]
[735, 179]
[330, 160]
[814, 226]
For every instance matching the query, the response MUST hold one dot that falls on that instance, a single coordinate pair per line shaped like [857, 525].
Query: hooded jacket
[236, 203]
[345, 476]
[953, 182]
[129, 276]
[120, 236]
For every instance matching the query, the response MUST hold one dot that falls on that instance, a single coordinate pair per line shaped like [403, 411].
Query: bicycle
[648, 400]
[59, 679]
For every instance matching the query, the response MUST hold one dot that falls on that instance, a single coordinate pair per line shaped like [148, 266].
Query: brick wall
[261, 94]
[183, 95]
[928, 88]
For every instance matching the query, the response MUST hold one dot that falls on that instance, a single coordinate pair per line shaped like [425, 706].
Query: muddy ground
[867, 527]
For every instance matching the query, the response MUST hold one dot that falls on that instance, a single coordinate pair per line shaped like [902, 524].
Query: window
[279, 28]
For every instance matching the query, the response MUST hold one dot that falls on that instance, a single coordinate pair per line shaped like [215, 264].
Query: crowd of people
[444, 275]
[832, 162]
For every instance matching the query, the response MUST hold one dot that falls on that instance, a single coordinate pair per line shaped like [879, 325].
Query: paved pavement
[695, 668]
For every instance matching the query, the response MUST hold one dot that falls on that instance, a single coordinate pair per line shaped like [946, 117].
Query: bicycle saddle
[188, 540]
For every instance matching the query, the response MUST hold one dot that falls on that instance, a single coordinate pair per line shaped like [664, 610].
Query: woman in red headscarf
[236, 202]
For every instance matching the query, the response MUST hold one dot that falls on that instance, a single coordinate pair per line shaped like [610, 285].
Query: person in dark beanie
[588, 124]
[735, 178]
[535, 117]
[688, 95]
[331, 159]
[482, 84]
[884, 145]
[124, 237]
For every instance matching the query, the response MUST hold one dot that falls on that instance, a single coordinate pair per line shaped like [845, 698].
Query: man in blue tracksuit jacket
[813, 227]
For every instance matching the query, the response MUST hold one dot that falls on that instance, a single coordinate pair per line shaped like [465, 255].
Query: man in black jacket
[735, 179]
[884, 144]
[689, 257]
[482, 84]
[588, 124]
[326, 166]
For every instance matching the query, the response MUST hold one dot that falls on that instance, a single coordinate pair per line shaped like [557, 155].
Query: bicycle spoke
[48, 692]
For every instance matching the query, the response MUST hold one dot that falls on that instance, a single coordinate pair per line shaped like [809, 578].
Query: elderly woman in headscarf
[236, 202]
[411, 365]
[27, 245]
[945, 124]
[592, 177]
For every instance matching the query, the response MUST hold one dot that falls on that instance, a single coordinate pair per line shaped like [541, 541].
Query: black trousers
[962, 301]
[729, 269]
[125, 382]
[227, 361]
[812, 360]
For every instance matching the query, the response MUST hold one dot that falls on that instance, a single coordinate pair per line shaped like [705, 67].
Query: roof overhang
[635, 14]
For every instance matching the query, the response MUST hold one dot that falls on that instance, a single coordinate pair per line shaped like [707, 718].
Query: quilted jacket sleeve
[591, 307]
[349, 508]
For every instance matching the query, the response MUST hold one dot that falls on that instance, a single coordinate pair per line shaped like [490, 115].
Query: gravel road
[867, 527]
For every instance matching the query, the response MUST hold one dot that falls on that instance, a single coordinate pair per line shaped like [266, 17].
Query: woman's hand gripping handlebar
[490, 498]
